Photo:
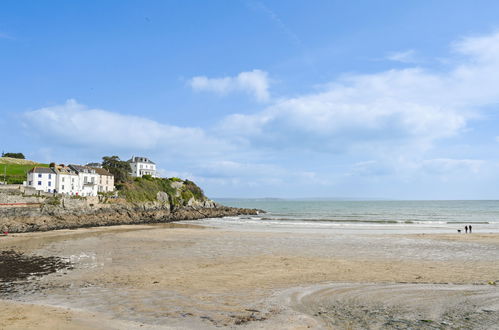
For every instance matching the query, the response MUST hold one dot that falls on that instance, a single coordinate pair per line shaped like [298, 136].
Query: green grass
[145, 189]
[16, 173]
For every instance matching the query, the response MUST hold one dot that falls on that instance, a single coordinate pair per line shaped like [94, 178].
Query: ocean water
[443, 216]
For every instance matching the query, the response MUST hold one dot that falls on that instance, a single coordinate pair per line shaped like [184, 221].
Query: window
[50, 184]
[39, 175]
[62, 187]
[50, 176]
[39, 183]
[92, 180]
[29, 183]
[85, 179]
[63, 180]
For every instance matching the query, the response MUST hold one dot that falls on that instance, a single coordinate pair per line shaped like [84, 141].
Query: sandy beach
[188, 276]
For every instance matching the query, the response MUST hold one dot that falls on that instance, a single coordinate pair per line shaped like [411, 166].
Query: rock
[162, 196]
[77, 213]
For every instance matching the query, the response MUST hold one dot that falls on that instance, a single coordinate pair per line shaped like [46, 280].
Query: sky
[293, 99]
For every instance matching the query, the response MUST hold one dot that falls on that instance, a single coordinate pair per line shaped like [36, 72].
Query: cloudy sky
[364, 99]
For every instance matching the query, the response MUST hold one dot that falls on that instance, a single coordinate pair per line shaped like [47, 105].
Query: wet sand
[183, 276]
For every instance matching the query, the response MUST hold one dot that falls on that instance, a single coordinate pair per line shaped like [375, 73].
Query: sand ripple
[400, 306]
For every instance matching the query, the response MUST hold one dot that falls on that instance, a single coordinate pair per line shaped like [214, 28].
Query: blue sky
[385, 99]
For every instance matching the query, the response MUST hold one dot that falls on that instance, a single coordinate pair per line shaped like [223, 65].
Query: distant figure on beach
[466, 229]
[469, 228]
[459, 231]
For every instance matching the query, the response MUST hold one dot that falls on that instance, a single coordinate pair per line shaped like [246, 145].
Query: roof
[83, 169]
[65, 170]
[103, 171]
[136, 159]
[42, 170]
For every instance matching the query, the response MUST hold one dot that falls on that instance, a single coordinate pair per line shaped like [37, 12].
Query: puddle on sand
[18, 269]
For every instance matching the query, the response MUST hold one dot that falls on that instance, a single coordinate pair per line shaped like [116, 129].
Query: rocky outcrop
[17, 220]
[66, 213]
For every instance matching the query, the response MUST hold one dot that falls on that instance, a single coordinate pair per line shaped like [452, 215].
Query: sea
[372, 215]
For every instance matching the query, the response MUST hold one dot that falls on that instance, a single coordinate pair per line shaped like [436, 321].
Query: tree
[17, 155]
[119, 168]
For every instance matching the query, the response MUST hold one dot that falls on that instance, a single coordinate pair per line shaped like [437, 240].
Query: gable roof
[102, 171]
[65, 170]
[42, 170]
[82, 169]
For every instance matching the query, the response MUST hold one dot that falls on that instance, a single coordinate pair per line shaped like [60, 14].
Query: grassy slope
[16, 169]
[146, 189]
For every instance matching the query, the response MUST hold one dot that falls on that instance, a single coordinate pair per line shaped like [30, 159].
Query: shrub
[194, 189]
[145, 189]
[56, 201]
[18, 155]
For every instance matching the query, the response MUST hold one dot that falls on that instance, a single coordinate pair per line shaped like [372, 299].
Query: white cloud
[74, 124]
[391, 119]
[255, 83]
[408, 56]
[403, 110]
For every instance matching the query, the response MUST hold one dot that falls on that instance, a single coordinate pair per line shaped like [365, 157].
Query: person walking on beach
[469, 228]
[466, 229]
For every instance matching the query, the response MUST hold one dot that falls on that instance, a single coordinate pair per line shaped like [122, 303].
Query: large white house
[142, 166]
[42, 178]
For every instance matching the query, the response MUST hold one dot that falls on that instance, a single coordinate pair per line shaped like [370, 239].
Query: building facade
[106, 180]
[67, 180]
[73, 180]
[42, 178]
[88, 180]
[142, 166]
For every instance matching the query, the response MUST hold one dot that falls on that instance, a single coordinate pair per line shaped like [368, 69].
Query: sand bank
[179, 276]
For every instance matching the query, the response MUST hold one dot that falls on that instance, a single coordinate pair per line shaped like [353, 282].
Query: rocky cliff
[22, 213]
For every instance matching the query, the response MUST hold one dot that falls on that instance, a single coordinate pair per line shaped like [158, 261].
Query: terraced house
[70, 180]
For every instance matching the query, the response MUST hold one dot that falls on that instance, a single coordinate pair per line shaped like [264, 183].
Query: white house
[42, 178]
[67, 180]
[142, 166]
[88, 180]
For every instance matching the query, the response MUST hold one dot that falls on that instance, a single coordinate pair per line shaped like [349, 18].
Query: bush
[56, 201]
[145, 189]
[194, 189]
[18, 155]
